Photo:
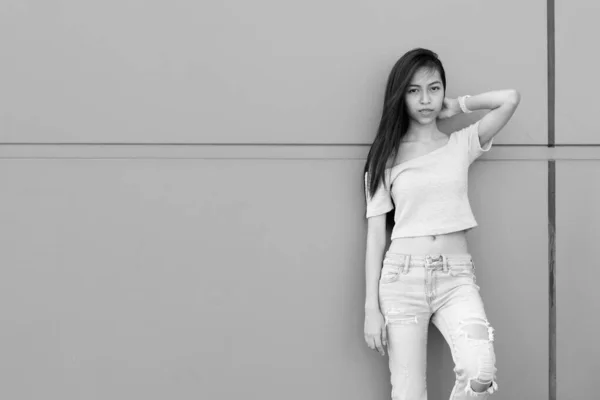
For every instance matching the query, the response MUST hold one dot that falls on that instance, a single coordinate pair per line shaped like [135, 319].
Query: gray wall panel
[250, 72]
[577, 276]
[183, 279]
[577, 100]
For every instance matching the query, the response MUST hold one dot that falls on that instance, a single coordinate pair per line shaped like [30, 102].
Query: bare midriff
[448, 243]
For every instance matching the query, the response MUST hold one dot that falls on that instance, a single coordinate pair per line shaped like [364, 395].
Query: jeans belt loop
[406, 264]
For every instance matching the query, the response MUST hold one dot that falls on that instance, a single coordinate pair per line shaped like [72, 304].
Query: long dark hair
[394, 117]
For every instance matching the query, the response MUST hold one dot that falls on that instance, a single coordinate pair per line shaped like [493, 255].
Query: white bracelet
[462, 105]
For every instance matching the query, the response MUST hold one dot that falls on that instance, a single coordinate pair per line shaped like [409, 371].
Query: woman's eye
[412, 90]
[435, 88]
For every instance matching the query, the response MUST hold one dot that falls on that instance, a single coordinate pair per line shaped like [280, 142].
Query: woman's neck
[422, 133]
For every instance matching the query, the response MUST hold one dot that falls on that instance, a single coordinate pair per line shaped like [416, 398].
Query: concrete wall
[182, 212]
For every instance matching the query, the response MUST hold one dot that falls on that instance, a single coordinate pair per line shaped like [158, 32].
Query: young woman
[427, 272]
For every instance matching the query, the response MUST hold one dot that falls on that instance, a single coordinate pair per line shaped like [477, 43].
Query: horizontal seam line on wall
[275, 144]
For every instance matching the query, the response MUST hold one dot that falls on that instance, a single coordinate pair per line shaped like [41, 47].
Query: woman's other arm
[375, 334]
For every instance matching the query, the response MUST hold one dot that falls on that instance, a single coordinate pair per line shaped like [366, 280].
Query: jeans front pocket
[389, 273]
[464, 271]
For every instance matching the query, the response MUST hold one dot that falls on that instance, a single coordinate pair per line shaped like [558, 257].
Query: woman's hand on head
[449, 109]
[375, 332]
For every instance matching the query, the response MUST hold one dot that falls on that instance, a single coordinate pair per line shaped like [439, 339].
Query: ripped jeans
[413, 289]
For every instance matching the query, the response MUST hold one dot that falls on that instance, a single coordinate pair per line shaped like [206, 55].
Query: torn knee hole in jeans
[489, 386]
[476, 329]
[479, 332]
[395, 316]
[485, 379]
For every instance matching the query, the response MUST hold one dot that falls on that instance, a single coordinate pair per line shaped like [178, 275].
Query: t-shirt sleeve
[381, 201]
[470, 139]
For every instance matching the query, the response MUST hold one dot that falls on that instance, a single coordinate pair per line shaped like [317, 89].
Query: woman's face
[425, 96]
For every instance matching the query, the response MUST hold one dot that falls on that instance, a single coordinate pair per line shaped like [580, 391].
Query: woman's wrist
[369, 308]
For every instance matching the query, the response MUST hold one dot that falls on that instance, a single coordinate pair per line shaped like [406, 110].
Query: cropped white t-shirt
[430, 192]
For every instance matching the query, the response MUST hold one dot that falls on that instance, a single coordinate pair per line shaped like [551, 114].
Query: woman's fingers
[378, 345]
[370, 342]
[374, 342]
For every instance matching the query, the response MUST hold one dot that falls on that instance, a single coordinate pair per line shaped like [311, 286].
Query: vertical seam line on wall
[552, 278]
[551, 72]
[550, 12]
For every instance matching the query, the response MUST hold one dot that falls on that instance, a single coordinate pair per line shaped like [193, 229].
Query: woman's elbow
[513, 97]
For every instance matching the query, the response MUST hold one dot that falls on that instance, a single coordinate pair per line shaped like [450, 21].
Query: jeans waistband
[432, 261]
